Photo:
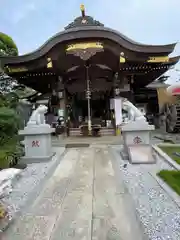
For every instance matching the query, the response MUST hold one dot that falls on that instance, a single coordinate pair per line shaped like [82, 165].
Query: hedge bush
[10, 148]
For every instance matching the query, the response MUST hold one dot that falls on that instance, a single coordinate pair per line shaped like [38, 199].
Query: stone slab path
[84, 199]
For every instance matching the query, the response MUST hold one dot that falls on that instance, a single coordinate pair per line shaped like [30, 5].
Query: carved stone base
[37, 143]
[137, 142]
[34, 159]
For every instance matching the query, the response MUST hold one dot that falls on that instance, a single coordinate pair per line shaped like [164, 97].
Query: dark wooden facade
[116, 61]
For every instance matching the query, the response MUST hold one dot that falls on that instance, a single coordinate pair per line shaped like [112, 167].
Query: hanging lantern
[122, 59]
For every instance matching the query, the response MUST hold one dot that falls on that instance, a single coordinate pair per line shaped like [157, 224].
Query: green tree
[7, 46]
[9, 119]
[7, 84]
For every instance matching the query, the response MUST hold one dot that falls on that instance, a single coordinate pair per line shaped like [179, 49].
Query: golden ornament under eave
[49, 64]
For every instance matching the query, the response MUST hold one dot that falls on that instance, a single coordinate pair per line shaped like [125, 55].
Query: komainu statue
[134, 114]
[37, 117]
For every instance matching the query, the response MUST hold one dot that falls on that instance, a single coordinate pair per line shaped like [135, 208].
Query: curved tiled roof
[87, 27]
[89, 32]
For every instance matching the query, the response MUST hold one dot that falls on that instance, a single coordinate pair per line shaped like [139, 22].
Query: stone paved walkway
[82, 200]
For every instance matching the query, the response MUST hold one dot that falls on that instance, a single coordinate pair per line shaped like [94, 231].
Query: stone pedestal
[137, 142]
[38, 144]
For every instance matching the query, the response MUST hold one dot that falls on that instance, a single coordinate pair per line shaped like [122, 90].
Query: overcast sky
[31, 22]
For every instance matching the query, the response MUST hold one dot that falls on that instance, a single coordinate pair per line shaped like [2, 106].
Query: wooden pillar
[131, 93]
[88, 96]
[66, 120]
[115, 94]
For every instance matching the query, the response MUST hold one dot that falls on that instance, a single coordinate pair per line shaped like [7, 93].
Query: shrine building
[86, 65]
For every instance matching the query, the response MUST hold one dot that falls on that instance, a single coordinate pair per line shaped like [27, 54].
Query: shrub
[10, 150]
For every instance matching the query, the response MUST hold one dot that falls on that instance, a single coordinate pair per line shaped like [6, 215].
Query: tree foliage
[9, 118]
[8, 84]
[7, 46]
[9, 125]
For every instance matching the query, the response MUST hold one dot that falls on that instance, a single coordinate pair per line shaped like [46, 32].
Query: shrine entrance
[100, 112]
[83, 67]
[98, 109]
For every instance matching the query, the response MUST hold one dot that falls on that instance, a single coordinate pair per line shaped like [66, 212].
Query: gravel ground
[158, 212]
[25, 188]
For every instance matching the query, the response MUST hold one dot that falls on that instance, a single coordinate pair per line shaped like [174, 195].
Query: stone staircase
[104, 131]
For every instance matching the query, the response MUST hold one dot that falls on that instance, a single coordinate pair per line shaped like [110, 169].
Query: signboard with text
[35, 143]
[137, 140]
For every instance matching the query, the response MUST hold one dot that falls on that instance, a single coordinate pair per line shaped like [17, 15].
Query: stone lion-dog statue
[37, 117]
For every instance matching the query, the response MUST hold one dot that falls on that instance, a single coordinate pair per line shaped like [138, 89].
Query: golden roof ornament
[83, 20]
[82, 10]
